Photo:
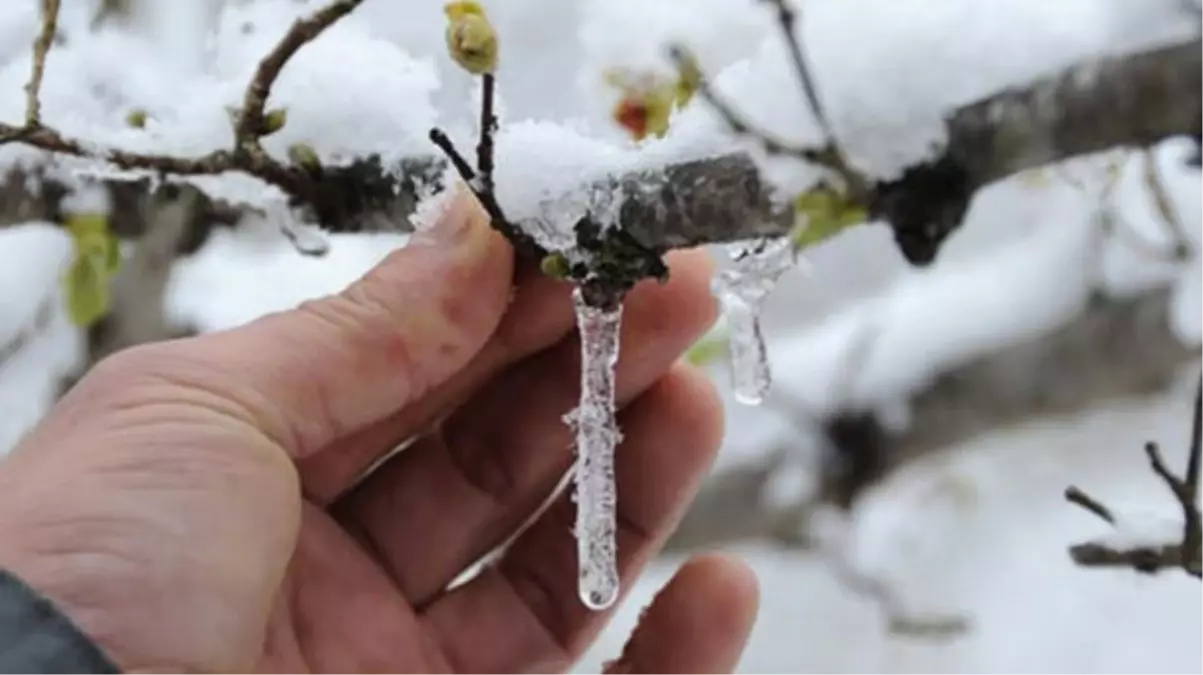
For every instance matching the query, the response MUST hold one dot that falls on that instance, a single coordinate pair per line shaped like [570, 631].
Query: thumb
[313, 374]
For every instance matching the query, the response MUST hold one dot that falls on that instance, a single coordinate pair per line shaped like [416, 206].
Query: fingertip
[693, 388]
[734, 586]
[699, 623]
[691, 274]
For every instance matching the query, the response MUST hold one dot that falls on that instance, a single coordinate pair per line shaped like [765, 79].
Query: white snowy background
[887, 69]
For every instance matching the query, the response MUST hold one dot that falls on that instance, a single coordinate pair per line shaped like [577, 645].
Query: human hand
[198, 504]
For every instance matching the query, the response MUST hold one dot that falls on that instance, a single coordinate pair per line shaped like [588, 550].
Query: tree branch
[41, 47]
[1151, 558]
[303, 31]
[1132, 100]
[247, 156]
[1116, 348]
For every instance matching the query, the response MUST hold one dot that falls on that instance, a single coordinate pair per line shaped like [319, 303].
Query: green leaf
[86, 286]
[136, 118]
[304, 156]
[555, 265]
[97, 259]
[87, 225]
[113, 257]
[821, 214]
[274, 120]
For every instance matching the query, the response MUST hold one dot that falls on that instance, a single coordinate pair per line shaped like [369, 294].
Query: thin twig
[733, 119]
[1165, 207]
[833, 156]
[247, 156]
[1186, 554]
[488, 127]
[1192, 532]
[41, 47]
[829, 156]
[1076, 496]
[521, 241]
[786, 19]
[303, 31]
[462, 167]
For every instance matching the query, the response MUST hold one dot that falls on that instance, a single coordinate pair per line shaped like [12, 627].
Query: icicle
[597, 435]
[307, 240]
[742, 290]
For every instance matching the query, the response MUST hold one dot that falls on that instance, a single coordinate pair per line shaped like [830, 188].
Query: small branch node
[1080, 498]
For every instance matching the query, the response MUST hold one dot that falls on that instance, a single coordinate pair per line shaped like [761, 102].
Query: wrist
[44, 549]
[36, 636]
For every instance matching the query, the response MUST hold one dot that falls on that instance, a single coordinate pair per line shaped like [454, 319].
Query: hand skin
[196, 505]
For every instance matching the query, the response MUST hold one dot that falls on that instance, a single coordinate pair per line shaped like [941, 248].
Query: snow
[1135, 529]
[981, 528]
[547, 175]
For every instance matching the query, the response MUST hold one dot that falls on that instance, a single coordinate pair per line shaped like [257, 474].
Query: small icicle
[597, 435]
[306, 239]
[742, 290]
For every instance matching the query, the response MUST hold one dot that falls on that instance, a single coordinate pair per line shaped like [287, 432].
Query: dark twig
[1075, 496]
[829, 156]
[461, 165]
[786, 19]
[520, 240]
[303, 31]
[247, 155]
[41, 47]
[735, 120]
[488, 127]
[1187, 553]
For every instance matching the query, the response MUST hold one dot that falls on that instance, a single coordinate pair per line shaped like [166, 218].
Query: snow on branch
[1118, 347]
[1135, 544]
[1130, 100]
[329, 194]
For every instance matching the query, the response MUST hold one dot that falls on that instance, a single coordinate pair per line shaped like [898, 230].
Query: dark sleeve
[35, 637]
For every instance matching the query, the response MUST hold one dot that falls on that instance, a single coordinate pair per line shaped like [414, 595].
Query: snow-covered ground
[1026, 260]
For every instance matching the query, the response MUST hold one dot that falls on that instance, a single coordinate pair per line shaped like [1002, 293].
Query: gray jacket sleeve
[35, 637]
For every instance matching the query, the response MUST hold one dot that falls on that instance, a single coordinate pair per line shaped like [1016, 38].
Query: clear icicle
[597, 436]
[742, 290]
[306, 239]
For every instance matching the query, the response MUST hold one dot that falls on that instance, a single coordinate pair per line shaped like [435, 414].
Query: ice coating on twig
[742, 289]
[597, 436]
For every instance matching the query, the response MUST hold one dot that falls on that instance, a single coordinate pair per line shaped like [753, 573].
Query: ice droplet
[597, 435]
[742, 289]
[306, 239]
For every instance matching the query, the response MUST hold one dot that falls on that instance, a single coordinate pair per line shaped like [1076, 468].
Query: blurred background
[900, 493]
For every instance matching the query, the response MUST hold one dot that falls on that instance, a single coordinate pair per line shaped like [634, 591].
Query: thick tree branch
[1117, 348]
[326, 196]
[1132, 100]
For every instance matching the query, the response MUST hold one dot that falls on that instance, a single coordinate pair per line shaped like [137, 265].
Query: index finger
[311, 375]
